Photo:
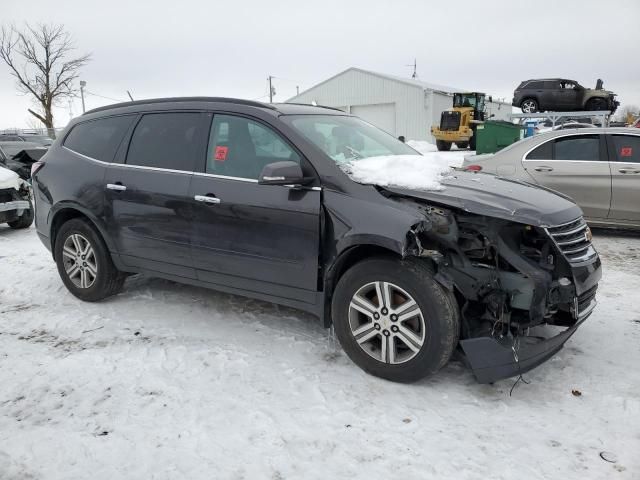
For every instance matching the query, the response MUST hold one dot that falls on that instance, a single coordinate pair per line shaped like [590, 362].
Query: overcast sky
[183, 47]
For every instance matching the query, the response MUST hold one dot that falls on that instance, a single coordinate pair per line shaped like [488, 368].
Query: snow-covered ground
[168, 381]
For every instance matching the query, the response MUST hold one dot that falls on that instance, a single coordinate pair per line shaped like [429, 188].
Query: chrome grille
[573, 240]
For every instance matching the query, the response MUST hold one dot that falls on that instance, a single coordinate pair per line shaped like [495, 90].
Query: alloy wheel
[79, 260]
[529, 106]
[386, 322]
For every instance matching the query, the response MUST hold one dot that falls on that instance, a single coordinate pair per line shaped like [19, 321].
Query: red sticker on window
[221, 153]
[626, 152]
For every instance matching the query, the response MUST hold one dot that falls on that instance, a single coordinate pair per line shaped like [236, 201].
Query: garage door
[382, 115]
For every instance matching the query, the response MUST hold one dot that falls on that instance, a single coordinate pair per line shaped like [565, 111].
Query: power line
[102, 96]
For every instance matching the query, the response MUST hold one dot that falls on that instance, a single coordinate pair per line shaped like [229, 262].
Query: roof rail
[238, 101]
[312, 105]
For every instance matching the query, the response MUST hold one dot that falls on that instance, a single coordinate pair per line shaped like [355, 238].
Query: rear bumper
[492, 359]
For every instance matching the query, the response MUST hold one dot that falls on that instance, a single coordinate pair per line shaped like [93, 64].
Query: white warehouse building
[400, 106]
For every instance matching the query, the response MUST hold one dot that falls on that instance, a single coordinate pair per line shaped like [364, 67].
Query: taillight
[473, 168]
[35, 167]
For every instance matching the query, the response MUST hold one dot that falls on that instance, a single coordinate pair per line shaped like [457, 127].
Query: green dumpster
[494, 135]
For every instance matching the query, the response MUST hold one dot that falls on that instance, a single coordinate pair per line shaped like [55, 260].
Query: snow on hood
[414, 172]
[9, 179]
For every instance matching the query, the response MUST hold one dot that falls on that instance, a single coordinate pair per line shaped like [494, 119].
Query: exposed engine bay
[508, 278]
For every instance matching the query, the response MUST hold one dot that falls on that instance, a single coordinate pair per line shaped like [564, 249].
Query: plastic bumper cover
[15, 205]
[492, 359]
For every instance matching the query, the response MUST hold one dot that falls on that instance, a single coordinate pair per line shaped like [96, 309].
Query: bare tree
[38, 57]
[623, 112]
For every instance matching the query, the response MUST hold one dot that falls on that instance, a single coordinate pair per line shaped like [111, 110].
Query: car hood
[9, 179]
[493, 196]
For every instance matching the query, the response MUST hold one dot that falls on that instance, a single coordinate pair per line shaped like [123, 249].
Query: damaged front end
[514, 283]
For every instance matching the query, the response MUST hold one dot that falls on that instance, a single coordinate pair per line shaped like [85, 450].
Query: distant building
[400, 106]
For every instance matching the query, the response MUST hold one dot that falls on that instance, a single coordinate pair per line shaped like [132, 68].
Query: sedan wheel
[80, 262]
[386, 322]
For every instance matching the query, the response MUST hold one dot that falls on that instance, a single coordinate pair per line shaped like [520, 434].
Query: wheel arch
[64, 212]
[343, 262]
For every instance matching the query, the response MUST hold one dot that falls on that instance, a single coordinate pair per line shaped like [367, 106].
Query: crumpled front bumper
[14, 205]
[492, 359]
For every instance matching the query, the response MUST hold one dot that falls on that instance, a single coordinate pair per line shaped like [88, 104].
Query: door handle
[543, 169]
[207, 199]
[629, 170]
[116, 186]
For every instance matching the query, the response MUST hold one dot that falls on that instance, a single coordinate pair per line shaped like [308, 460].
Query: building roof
[409, 81]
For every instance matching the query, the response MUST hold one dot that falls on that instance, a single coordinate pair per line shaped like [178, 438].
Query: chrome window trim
[86, 156]
[225, 177]
[158, 169]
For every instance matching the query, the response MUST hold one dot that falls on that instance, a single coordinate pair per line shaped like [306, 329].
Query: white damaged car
[15, 200]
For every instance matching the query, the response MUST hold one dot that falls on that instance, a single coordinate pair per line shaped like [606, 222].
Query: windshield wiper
[354, 153]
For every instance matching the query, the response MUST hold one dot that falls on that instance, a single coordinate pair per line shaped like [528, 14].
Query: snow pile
[454, 158]
[9, 179]
[422, 146]
[414, 172]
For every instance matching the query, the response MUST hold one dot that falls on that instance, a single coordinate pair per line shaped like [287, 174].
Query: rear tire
[84, 262]
[25, 220]
[443, 146]
[529, 105]
[472, 141]
[431, 325]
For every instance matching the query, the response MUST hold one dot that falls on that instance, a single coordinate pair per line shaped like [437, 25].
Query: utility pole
[272, 90]
[82, 85]
[297, 90]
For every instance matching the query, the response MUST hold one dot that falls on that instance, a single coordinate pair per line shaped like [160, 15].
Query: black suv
[562, 95]
[257, 200]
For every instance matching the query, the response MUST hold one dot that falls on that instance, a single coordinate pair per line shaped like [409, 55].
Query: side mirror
[282, 173]
[490, 99]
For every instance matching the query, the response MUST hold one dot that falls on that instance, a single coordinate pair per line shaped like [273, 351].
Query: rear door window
[167, 140]
[98, 139]
[579, 147]
[240, 147]
[627, 148]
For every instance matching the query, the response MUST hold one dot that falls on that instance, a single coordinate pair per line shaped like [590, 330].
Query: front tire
[462, 145]
[529, 105]
[25, 220]
[443, 146]
[84, 262]
[394, 320]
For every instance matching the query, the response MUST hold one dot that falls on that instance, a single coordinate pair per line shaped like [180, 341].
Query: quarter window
[541, 152]
[627, 148]
[98, 139]
[166, 140]
[239, 147]
[583, 147]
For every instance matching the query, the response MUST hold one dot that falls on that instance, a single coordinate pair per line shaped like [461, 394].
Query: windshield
[347, 139]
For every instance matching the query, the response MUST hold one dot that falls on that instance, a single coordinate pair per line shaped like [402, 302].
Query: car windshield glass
[347, 139]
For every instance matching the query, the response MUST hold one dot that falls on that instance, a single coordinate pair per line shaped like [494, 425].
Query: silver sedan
[599, 168]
